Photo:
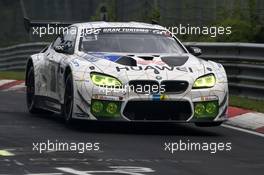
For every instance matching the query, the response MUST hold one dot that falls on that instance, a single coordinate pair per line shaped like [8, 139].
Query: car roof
[132, 24]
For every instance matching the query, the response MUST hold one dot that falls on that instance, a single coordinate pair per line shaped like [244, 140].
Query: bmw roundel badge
[158, 77]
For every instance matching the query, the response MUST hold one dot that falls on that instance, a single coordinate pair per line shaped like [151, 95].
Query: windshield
[129, 43]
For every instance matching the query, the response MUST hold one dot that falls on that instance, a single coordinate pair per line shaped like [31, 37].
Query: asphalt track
[134, 149]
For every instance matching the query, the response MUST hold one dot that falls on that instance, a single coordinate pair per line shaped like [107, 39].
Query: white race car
[126, 72]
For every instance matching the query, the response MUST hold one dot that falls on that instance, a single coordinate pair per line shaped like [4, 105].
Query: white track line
[251, 120]
[243, 130]
[2, 82]
[6, 153]
[16, 87]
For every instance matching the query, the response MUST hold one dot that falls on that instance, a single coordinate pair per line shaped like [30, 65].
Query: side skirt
[48, 104]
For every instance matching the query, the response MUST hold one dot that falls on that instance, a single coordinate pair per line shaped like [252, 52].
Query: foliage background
[246, 17]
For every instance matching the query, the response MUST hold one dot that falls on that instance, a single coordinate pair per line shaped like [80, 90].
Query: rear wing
[44, 23]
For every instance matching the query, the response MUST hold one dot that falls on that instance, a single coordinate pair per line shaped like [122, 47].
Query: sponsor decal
[146, 62]
[75, 63]
[205, 98]
[125, 30]
[92, 59]
[105, 97]
[113, 58]
[95, 31]
[109, 57]
[90, 31]
[159, 97]
[155, 68]
[162, 32]
[208, 98]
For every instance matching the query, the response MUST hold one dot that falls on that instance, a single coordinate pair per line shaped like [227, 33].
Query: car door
[55, 58]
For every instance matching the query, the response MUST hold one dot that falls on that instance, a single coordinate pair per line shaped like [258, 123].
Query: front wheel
[208, 124]
[30, 94]
[68, 99]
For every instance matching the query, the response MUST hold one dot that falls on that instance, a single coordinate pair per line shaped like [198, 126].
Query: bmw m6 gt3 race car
[126, 72]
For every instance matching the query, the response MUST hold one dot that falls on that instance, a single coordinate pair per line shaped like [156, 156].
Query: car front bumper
[154, 107]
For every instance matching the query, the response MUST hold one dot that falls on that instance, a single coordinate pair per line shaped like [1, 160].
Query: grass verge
[12, 75]
[255, 105]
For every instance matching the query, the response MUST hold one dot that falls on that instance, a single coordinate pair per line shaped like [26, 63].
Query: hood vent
[127, 61]
[146, 57]
[175, 60]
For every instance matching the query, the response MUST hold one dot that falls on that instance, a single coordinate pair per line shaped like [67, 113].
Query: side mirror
[59, 49]
[196, 51]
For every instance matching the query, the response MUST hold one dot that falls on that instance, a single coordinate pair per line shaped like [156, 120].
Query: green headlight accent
[111, 108]
[104, 80]
[206, 81]
[105, 108]
[97, 107]
[211, 108]
[207, 109]
[199, 109]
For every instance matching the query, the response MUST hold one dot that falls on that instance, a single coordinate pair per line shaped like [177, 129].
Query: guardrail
[15, 57]
[244, 63]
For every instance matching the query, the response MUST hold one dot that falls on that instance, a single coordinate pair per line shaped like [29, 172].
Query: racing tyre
[208, 124]
[30, 94]
[68, 100]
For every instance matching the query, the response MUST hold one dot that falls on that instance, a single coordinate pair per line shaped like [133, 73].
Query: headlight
[206, 81]
[105, 80]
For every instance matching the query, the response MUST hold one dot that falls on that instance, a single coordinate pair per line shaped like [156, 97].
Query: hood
[147, 66]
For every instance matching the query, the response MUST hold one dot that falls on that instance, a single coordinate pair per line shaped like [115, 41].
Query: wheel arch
[68, 71]
[28, 65]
